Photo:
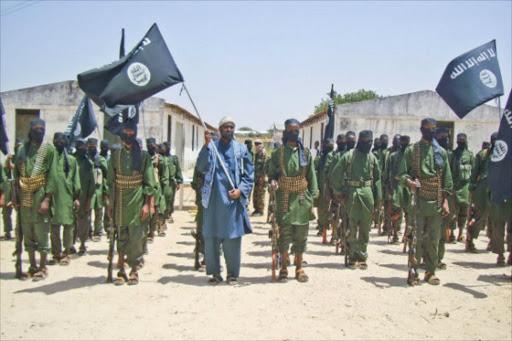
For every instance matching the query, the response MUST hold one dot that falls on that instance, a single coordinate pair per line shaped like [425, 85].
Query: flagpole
[213, 144]
[499, 107]
[143, 119]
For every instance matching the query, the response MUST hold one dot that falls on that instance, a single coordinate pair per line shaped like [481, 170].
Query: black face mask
[396, 143]
[128, 139]
[462, 145]
[81, 152]
[291, 136]
[427, 134]
[403, 146]
[364, 147]
[351, 145]
[384, 145]
[59, 146]
[443, 142]
[92, 152]
[104, 152]
[37, 135]
[327, 150]
[341, 145]
[151, 150]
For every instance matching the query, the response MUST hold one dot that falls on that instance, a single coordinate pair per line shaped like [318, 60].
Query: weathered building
[402, 114]
[57, 103]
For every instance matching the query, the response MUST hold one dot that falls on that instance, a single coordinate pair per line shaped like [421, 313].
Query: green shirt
[299, 213]
[357, 166]
[162, 185]
[461, 165]
[128, 204]
[100, 180]
[322, 172]
[427, 170]
[401, 194]
[86, 176]
[48, 167]
[68, 189]
[478, 180]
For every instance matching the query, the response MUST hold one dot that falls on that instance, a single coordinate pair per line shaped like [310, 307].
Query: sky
[259, 62]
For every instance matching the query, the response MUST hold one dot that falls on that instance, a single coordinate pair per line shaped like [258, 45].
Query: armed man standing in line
[359, 169]
[292, 174]
[197, 184]
[383, 154]
[260, 184]
[225, 219]
[462, 163]
[87, 189]
[388, 190]
[175, 179]
[479, 193]
[322, 163]
[402, 194]
[131, 182]
[443, 138]
[100, 194]
[162, 182]
[7, 210]
[64, 202]
[104, 152]
[35, 173]
[393, 189]
[427, 163]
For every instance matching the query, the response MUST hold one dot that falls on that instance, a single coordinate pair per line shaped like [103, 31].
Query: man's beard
[227, 136]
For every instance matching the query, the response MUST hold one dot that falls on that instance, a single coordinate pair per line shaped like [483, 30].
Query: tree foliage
[358, 96]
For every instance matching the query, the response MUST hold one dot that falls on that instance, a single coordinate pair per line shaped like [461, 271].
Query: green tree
[358, 96]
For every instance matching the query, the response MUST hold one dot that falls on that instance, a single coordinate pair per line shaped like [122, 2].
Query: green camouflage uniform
[429, 203]
[322, 203]
[480, 195]
[161, 173]
[361, 172]
[68, 189]
[401, 195]
[294, 208]
[462, 164]
[100, 176]
[259, 181]
[131, 189]
[197, 185]
[87, 189]
[35, 183]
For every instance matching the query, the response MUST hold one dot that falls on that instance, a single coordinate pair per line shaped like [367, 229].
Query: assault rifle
[17, 230]
[334, 220]
[197, 249]
[273, 234]
[113, 233]
[412, 239]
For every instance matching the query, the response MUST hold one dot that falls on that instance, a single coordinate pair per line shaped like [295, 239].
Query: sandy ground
[474, 300]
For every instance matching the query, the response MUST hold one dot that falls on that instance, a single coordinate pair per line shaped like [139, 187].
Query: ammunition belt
[128, 181]
[27, 188]
[295, 184]
[361, 183]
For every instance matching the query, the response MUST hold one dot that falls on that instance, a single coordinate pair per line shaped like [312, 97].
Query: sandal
[161, 234]
[82, 251]
[301, 276]
[121, 278]
[54, 261]
[31, 272]
[141, 264]
[40, 275]
[65, 260]
[430, 278]
[363, 266]
[96, 239]
[283, 276]
[441, 265]
[150, 240]
[352, 265]
[232, 280]
[134, 278]
[216, 279]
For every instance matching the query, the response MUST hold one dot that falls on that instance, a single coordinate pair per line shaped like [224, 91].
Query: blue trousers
[232, 254]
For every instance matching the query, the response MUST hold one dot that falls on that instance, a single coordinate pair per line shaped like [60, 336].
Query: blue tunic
[225, 218]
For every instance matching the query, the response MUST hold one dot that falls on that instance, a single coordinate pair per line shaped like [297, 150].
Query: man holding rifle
[427, 162]
[292, 174]
[131, 183]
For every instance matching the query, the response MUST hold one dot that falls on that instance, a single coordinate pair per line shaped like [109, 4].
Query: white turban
[226, 119]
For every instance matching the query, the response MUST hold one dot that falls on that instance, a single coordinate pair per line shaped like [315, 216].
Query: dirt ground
[172, 301]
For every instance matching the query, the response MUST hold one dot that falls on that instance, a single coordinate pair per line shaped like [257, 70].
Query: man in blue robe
[225, 218]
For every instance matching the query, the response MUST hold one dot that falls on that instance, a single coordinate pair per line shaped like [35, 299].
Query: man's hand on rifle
[412, 184]
[2, 199]
[76, 205]
[446, 208]
[44, 208]
[274, 185]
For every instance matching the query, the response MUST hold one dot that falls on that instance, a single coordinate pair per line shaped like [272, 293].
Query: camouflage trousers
[258, 197]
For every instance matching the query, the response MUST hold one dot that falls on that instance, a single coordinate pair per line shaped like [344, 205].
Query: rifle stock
[412, 240]
[17, 230]
[274, 233]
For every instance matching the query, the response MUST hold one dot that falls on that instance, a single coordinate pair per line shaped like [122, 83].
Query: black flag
[499, 176]
[3, 134]
[144, 71]
[115, 123]
[471, 79]
[83, 123]
[329, 125]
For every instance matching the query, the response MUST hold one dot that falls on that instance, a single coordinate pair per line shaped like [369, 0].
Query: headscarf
[34, 123]
[303, 161]
[438, 150]
[62, 136]
[226, 119]
[136, 152]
